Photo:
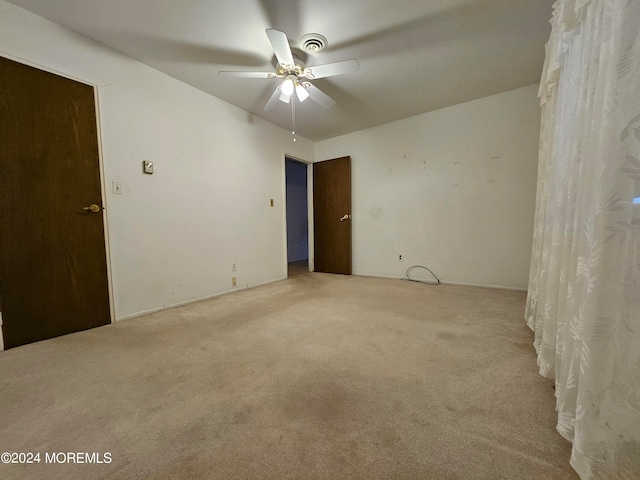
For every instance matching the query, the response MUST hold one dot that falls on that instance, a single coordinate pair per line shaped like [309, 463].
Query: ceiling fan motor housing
[297, 69]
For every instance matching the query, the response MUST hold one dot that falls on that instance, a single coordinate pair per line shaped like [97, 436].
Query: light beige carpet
[316, 377]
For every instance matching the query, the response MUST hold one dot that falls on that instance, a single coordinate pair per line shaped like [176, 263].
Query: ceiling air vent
[313, 43]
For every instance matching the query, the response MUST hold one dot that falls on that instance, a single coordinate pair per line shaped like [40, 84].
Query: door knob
[92, 208]
[346, 217]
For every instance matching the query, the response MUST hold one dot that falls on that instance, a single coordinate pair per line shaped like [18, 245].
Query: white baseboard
[194, 300]
[461, 284]
[187, 302]
[482, 285]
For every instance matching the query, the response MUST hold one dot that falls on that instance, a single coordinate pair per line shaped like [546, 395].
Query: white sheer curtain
[584, 286]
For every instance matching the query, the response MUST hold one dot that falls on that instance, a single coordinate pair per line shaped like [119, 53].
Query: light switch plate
[116, 187]
[147, 167]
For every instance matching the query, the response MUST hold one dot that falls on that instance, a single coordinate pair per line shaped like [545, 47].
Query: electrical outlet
[233, 267]
[233, 281]
[399, 257]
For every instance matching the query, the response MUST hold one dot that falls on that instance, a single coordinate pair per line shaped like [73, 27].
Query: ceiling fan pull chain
[293, 117]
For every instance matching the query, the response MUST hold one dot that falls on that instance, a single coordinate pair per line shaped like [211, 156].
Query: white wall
[174, 234]
[453, 190]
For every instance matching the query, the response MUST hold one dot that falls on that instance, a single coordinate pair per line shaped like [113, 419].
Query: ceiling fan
[295, 74]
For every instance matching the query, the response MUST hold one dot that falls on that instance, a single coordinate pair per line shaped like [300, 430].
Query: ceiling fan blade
[248, 74]
[273, 100]
[280, 46]
[331, 69]
[319, 96]
[284, 97]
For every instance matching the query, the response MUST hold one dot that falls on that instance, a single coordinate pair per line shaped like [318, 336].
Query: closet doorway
[297, 198]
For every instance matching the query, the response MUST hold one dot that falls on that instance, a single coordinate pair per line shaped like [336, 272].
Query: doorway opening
[297, 217]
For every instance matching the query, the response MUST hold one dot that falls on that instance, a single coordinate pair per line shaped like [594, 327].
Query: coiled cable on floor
[421, 281]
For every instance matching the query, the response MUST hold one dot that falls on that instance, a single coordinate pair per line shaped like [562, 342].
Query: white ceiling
[415, 55]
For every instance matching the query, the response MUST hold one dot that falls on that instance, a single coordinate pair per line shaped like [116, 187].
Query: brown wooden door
[332, 215]
[53, 271]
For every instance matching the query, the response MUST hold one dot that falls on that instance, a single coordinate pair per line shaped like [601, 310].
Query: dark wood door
[53, 271]
[332, 215]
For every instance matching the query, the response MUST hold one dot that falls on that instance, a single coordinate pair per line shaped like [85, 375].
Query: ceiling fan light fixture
[301, 93]
[288, 85]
